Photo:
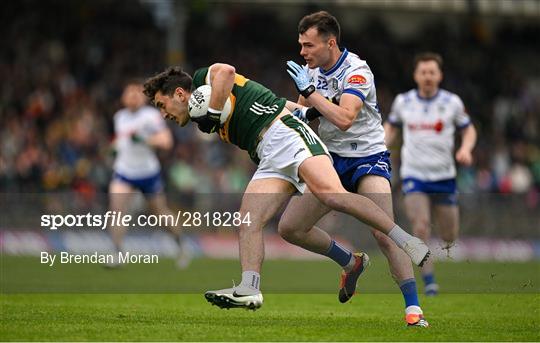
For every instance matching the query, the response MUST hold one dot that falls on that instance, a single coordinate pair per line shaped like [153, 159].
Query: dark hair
[166, 82]
[325, 23]
[428, 56]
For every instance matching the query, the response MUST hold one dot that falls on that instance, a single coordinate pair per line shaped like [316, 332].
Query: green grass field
[480, 302]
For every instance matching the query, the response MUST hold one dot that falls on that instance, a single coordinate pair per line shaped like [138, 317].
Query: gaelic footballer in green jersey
[253, 108]
[290, 157]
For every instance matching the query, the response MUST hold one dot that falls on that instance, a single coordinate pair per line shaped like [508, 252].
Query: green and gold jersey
[253, 107]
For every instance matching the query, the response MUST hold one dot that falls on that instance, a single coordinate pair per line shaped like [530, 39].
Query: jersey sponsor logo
[357, 80]
[438, 126]
[259, 109]
[354, 146]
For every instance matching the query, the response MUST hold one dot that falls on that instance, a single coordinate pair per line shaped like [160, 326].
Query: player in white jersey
[139, 130]
[340, 86]
[429, 117]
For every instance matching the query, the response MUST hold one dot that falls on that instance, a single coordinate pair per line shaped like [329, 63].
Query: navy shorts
[440, 192]
[148, 185]
[351, 169]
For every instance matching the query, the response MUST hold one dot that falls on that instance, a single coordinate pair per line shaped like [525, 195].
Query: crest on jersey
[357, 80]
[334, 85]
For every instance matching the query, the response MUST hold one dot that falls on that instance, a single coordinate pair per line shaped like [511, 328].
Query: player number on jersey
[322, 84]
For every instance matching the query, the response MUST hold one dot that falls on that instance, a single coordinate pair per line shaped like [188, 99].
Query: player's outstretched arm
[468, 141]
[305, 114]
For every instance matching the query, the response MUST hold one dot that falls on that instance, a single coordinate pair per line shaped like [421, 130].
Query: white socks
[413, 309]
[251, 280]
[399, 236]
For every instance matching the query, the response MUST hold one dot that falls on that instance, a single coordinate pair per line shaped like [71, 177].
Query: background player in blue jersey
[340, 86]
[428, 117]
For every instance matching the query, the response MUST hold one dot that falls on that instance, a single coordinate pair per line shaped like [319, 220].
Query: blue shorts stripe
[351, 169]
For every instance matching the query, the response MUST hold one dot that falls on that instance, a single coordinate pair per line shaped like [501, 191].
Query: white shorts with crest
[286, 144]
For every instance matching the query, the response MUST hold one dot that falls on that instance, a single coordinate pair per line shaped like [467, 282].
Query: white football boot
[417, 250]
[236, 297]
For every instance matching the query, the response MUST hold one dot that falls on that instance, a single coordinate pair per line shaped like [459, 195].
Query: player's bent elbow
[347, 121]
[226, 69]
[345, 125]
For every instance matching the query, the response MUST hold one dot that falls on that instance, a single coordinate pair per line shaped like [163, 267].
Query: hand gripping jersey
[351, 75]
[428, 133]
[253, 108]
[136, 159]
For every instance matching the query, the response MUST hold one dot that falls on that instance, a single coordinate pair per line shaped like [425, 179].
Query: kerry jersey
[253, 107]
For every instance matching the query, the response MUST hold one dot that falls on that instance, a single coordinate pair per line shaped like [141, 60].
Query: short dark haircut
[428, 56]
[325, 23]
[166, 82]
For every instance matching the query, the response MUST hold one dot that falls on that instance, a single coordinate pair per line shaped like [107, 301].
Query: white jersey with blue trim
[351, 75]
[136, 160]
[428, 127]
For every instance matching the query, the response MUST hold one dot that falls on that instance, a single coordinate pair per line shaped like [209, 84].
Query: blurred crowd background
[64, 63]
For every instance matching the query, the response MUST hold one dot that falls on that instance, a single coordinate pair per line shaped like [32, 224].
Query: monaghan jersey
[136, 160]
[351, 75]
[428, 133]
[253, 107]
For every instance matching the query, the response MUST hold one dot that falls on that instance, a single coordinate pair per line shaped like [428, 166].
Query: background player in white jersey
[340, 86]
[429, 117]
[139, 130]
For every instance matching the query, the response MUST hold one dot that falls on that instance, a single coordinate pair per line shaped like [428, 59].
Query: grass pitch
[482, 302]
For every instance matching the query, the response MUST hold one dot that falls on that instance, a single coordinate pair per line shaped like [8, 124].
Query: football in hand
[199, 100]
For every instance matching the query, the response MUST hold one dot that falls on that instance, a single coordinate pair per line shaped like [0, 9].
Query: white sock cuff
[413, 309]
[399, 236]
[251, 279]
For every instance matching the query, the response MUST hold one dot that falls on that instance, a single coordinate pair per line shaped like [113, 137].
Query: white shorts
[286, 144]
